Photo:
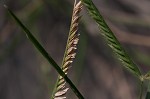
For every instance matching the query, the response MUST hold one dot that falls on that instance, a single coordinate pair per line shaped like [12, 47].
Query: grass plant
[70, 52]
[60, 89]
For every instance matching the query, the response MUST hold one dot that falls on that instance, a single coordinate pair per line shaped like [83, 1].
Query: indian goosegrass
[114, 43]
[45, 54]
[111, 39]
[60, 89]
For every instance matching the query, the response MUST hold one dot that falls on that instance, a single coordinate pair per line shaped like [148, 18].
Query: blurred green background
[25, 74]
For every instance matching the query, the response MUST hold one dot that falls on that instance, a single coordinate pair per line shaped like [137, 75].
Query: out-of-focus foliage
[24, 74]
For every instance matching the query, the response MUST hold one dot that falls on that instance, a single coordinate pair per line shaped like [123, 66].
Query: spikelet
[70, 51]
[111, 39]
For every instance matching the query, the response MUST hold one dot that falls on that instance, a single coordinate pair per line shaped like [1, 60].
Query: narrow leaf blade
[45, 54]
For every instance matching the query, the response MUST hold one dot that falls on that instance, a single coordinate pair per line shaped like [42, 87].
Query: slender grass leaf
[45, 54]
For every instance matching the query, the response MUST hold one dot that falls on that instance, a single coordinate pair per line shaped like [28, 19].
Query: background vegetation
[25, 74]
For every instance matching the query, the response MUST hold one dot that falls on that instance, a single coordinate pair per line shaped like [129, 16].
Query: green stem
[45, 54]
[148, 91]
[141, 89]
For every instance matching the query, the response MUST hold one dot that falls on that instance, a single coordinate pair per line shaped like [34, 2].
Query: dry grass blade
[70, 52]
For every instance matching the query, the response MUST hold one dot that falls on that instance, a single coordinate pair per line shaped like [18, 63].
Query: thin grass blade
[45, 54]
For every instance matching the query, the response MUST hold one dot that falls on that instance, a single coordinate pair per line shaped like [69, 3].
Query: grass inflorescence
[111, 39]
[70, 52]
[60, 89]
